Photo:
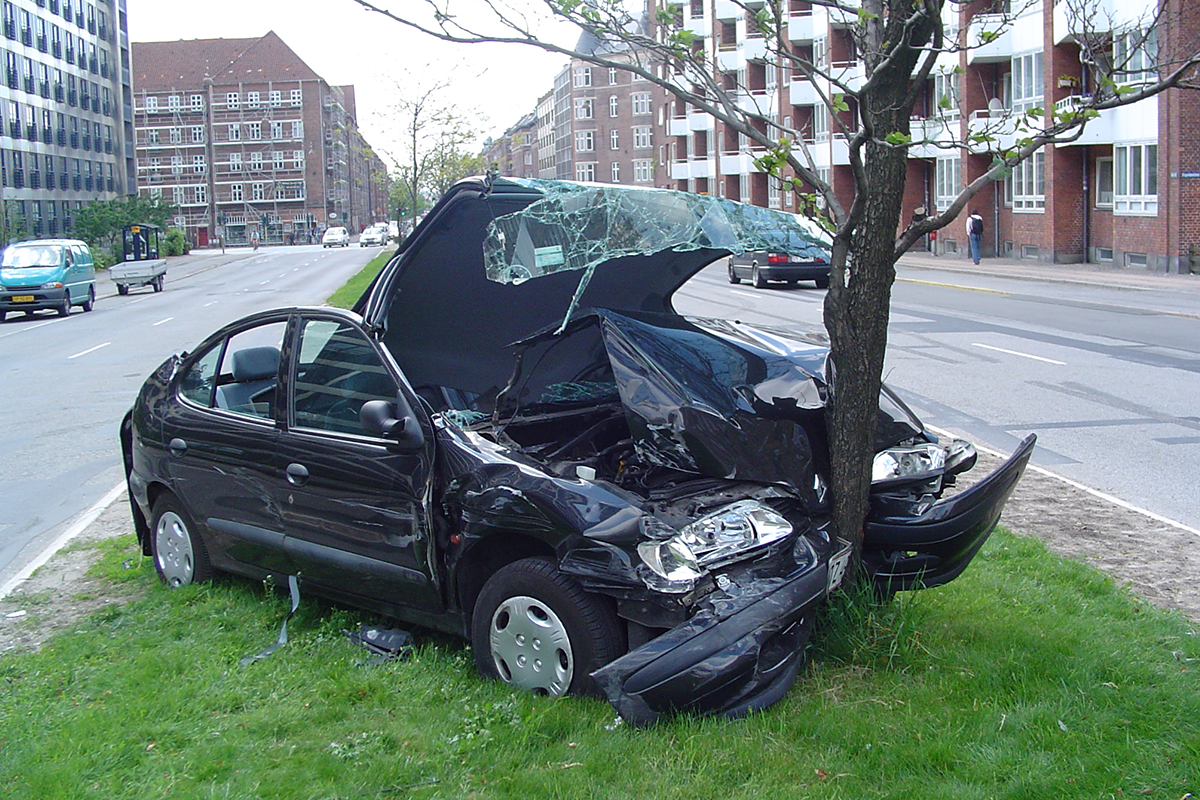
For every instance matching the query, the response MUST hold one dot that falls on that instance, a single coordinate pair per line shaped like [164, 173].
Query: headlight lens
[726, 535]
[908, 463]
[53, 285]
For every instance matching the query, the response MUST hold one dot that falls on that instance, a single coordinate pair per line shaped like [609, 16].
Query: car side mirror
[393, 421]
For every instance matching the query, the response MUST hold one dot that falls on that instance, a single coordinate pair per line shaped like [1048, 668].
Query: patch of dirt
[1158, 561]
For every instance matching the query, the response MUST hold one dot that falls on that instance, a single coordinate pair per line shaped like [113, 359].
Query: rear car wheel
[158, 283]
[759, 281]
[822, 283]
[539, 630]
[90, 303]
[180, 557]
[122, 289]
[733, 278]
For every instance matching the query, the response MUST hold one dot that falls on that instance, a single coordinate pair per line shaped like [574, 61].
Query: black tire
[822, 283]
[158, 283]
[733, 278]
[577, 630]
[90, 303]
[759, 281]
[122, 289]
[3, 314]
[180, 557]
[64, 308]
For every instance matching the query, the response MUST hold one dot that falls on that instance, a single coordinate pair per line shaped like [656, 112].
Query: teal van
[47, 273]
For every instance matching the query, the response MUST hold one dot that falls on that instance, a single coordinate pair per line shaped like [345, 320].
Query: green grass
[1029, 677]
[348, 295]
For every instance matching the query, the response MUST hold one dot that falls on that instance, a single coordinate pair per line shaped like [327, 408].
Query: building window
[1104, 183]
[276, 130]
[177, 195]
[198, 134]
[276, 97]
[585, 141]
[1135, 56]
[235, 192]
[615, 172]
[235, 132]
[201, 193]
[297, 96]
[945, 95]
[585, 172]
[583, 108]
[297, 159]
[641, 102]
[151, 135]
[252, 99]
[279, 159]
[235, 162]
[821, 122]
[614, 106]
[298, 130]
[257, 192]
[1027, 184]
[641, 137]
[198, 164]
[253, 130]
[1135, 173]
[176, 136]
[643, 170]
[612, 76]
[255, 162]
[176, 165]
[1025, 86]
[947, 181]
[151, 101]
[583, 76]
[173, 102]
[197, 102]
[614, 139]
[231, 100]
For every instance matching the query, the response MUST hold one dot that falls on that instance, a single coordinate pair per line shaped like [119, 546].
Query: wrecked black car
[516, 439]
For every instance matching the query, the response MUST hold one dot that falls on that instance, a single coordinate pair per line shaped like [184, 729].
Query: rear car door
[353, 504]
[221, 436]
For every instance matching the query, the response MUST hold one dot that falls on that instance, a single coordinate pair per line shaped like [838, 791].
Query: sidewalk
[1110, 275]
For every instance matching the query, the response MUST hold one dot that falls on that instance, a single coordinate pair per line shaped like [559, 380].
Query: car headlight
[908, 463]
[676, 561]
[53, 285]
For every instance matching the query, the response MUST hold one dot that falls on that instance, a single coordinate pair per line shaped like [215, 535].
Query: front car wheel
[539, 630]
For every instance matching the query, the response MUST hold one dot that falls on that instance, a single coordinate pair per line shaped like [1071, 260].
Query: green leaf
[897, 138]
[838, 102]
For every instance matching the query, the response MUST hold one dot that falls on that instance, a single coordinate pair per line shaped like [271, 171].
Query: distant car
[374, 235]
[339, 237]
[47, 273]
[793, 261]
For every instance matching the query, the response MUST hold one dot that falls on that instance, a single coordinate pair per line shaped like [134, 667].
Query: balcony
[753, 48]
[677, 126]
[729, 59]
[800, 27]
[697, 25]
[694, 167]
[759, 101]
[990, 39]
[1000, 123]
[802, 92]
[727, 9]
[843, 16]
[852, 74]
[740, 162]
[1102, 16]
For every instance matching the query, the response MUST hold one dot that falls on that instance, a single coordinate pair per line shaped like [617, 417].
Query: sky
[346, 44]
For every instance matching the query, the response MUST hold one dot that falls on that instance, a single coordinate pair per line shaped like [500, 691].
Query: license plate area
[837, 568]
[23, 298]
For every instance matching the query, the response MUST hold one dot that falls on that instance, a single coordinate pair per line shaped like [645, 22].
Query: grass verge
[348, 295]
[1029, 677]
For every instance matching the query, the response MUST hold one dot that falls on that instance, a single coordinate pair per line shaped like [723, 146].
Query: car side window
[198, 382]
[249, 371]
[337, 370]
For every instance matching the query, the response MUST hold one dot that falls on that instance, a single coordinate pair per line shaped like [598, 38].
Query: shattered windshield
[581, 226]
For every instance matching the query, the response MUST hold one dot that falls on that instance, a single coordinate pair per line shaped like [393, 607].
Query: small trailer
[142, 266]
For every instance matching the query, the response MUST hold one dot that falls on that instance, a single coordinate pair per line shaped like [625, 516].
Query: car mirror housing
[393, 421]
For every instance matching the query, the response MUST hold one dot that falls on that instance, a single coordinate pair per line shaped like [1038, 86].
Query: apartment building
[65, 99]
[247, 140]
[1126, 191]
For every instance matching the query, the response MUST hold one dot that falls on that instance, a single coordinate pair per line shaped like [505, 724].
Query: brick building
[65, 98]
[247, 140]
[1127, 191]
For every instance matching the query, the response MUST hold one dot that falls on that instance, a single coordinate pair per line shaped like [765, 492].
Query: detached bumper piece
[739, 653]
[913, 543]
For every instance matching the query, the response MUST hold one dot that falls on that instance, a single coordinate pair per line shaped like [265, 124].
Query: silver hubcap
[530, 646]
[173, 550]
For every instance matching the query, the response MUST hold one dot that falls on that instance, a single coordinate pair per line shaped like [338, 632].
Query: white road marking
[24, 328]
[1022, 355]
[79, 526]
[161, 321]
[264, 283]
[744, 293]
[209, 303]
[89, 350]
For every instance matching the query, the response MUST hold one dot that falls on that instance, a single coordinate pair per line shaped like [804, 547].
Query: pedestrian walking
[975, 234]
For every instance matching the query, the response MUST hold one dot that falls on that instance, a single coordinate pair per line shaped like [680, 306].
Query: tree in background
[434, 148]
[901, 45]
[100, 223]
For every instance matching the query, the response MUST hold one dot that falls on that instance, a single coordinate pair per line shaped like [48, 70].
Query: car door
[221, 436]
[353, 504]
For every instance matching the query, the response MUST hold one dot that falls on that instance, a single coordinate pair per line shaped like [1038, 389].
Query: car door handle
[178, 447]
[297, 474]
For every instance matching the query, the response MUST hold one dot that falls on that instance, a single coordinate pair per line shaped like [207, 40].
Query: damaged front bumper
[739, 653]
[911, 543]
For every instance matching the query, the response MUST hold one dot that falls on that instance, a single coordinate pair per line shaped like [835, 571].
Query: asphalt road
[68, 382]
[1103, 367]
